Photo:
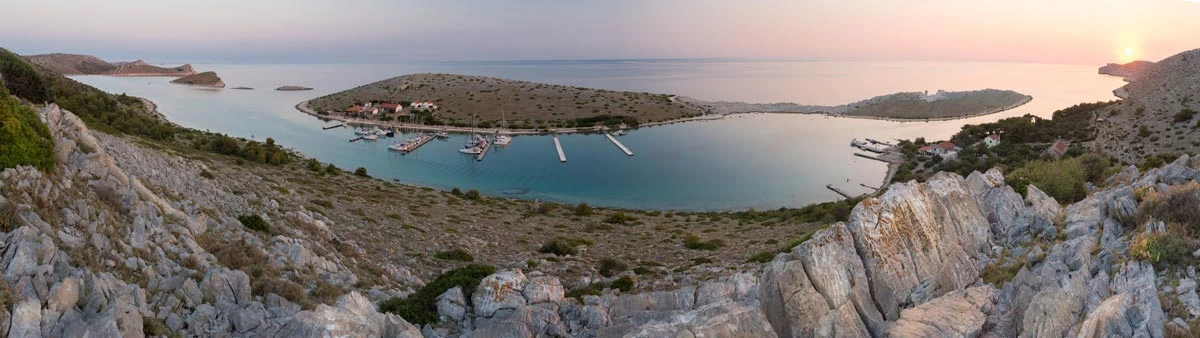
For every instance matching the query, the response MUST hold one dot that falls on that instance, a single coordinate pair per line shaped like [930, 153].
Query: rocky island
[75, 64]
[243, 88]
[940, 105]
[204, 79]
[292, 88]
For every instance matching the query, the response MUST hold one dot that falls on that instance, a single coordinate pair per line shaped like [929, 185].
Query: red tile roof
[946, 146]
[390, 105]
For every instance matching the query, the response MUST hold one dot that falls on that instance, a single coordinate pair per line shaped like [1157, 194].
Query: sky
[382, 31]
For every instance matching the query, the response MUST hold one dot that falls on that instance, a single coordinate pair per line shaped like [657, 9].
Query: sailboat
[502, 140]
[476, 143]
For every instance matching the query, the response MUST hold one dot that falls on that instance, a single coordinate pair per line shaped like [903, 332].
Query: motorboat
[503, 140]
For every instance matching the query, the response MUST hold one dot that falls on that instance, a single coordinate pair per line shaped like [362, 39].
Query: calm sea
[744, 161]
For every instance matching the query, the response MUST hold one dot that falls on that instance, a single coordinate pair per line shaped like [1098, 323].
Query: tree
[362, 172]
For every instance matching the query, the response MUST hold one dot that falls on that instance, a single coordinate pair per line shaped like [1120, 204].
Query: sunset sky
[382, 31]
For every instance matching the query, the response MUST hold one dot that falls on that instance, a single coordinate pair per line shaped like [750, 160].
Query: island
[1127, 71]
[76, 64]
[243, 88]
[205, 79]
[436, 101]
[292, 88]
[904, 106]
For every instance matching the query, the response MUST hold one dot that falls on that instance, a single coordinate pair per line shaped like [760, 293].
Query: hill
[204, 79]
[899, 106]
[523, 104]
[75, 64]
[1158, 113]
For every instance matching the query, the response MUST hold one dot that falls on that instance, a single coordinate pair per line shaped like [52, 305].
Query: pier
[618, 143]
[339, 125]
[867, 186]
[871, 157]
[561, 157]
[412, 144]
[356, 138]
[838, 191]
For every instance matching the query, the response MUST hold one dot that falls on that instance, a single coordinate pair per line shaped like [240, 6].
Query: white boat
[503, 140]
[620, 133]
[442, 134]
[361, 131]
[471, 151]
[370, 137]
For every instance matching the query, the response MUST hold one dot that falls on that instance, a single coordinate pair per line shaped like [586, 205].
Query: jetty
[618, 143]
[356, 138]
[871, 157]
[561, 157]
[412, 144]
[338, 125]
[880, 142]
[868, 187]
[838, 191]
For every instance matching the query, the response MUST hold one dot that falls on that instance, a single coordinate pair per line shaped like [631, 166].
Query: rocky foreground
[91, 250]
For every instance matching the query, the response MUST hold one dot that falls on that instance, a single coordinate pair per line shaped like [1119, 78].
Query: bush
[254, 222]
[332, 170]
[618, 218]
[625, 284]
[360, 172]
[611, 267]
[1179, 205]
[24, 139]
[420, 308]
[206, 174]
[22, 78]
[454, 255]
[1001, 271]
[473, 195]
[582, 210]
[325, 293]
[1185, 115]
[762, 257]
[10, 218]
[1062, 179]
[456, 192]
[695, 243]
[563, 246]
[1163, 249]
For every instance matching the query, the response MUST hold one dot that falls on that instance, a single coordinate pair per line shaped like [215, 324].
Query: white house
[944, 149]
[992, 140]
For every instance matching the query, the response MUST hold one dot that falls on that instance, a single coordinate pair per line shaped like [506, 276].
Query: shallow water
[743, 161]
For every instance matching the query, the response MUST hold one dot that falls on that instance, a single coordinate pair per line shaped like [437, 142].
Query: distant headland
[75, 64]
[292, 88]
[1129, 71]
[905, 106]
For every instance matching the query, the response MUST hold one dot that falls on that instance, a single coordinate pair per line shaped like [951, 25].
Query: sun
[1128, 51]
[1127, 54]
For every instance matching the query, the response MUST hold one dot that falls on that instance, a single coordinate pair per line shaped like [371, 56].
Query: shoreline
[932, 119]
[303, 107]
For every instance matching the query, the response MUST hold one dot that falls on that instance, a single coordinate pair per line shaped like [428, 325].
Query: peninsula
[205, 79]
[76, 64]
[906, 106]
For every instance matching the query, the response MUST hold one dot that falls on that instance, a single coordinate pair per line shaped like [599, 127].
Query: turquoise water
[757, 161]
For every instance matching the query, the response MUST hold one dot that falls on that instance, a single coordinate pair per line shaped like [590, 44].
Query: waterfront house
[390, 107]
[992, 140]
[944, 149]
[1058, 149]
[423, 106]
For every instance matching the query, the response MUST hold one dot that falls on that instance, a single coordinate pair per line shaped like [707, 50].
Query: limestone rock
[960, 313]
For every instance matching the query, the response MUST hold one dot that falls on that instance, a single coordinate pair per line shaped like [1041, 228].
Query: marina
[411, 144]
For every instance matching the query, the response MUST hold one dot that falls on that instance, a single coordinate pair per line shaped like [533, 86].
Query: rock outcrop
[1129, 71]
[74, 64]
[205, 79]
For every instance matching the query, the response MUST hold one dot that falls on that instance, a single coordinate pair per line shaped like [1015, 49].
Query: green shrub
[563, 246]
[254, 222]
[762, 257]
[618, 218]
[21, 78]
[206, 174]
[582, 210]
[1180, 204]
[473, 195]
[1062, 179]
[609, 267]
[361, 172]
[695, 243]
[1184, 115]
[625, 284]
[456, 192]
[24, 139]
[1001, 271]
[1164, 250]
[454, 255]
[420, 308]
[593, 289]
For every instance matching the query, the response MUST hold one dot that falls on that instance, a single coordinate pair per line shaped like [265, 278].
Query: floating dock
[618, 143]
[561, 157]
[486, 146]
[339, 125]
[356, 138]
[412, 146]
[880, 142]
[838, 191]
[867, 186]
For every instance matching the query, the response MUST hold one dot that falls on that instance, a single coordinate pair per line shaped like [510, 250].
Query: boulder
[961, 313]
[499, 291]
[353, 315]
[226, 286]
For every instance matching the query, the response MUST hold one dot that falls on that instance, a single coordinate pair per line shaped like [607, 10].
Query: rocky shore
[903, 107]
[205, 79]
